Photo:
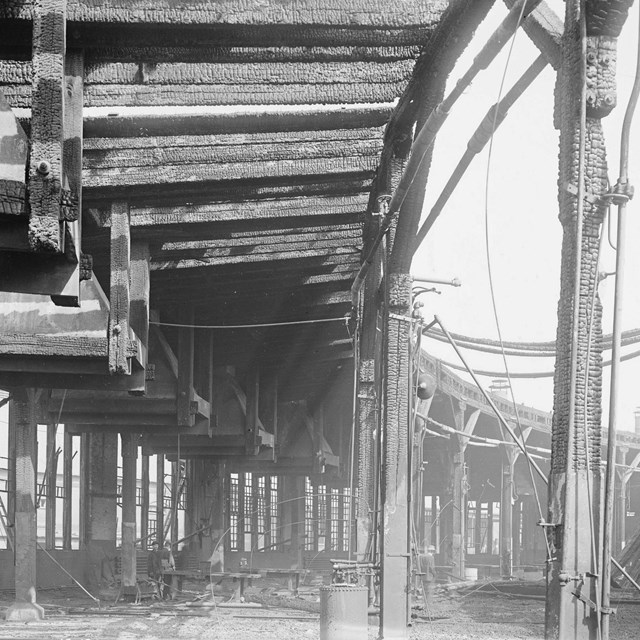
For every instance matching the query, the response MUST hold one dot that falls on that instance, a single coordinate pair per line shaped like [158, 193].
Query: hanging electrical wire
[530, 464]
[531, 349]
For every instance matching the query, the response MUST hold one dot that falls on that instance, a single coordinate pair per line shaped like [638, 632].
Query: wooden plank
[220, 94]
[142, 216]
[118, 331]
[373, 13]
[296, 147]
[46, 232]
[179, 194]
[264, 248]
[222, 139]
[202, 172]
[283, 255]
[245, 54]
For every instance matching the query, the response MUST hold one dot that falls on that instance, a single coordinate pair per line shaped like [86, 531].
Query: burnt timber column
[620, 511]
[575, 457]
[218, 516]
[51, 471]
[175, 488]
[293, 517]
[394, 534]
[417, 471]
[368, 417]
[160, 499]
[129, 459]
[11, 471]
[102, 503]
[509, 457]
[25, 608]
[144, 510]
[457, 494]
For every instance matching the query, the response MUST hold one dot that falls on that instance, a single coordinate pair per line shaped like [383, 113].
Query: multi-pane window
[483, 526]
[254, 522]
[431, 532]
[326, 518]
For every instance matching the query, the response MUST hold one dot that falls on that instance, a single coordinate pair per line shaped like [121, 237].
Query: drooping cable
[490, 273]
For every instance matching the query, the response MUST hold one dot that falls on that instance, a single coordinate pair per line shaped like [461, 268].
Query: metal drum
[343, 612]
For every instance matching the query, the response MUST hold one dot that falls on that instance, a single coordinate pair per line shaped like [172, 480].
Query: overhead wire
[490, 273]
[247, 326]
[631, 336]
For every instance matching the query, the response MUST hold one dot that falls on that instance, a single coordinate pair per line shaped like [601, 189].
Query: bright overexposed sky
[524, 231]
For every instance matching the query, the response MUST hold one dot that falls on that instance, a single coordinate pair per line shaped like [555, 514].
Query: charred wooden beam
[46, 229]
[214, 123]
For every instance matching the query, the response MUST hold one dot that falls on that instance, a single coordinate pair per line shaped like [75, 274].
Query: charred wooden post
[509, 458]
[219, 517]
[417, 470]
[26, 411]
[50, 488]
[67, 486]
[144, 509]
[84, 482]
[394, 525]
[368, 418]
[11, 469]
[292, 513]
[100, 539]
[456, 498]
[129, 483]
[586, 93]
[160, 499]
[175, 497]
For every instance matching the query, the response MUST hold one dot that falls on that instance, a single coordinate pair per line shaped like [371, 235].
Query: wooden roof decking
[245, 139]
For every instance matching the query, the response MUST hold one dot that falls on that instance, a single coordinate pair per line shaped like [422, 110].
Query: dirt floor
[198, 614]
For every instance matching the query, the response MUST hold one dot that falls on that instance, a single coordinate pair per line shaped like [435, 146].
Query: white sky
[525, 233]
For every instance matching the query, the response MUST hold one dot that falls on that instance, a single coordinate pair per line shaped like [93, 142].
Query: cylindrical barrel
[343, 612]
